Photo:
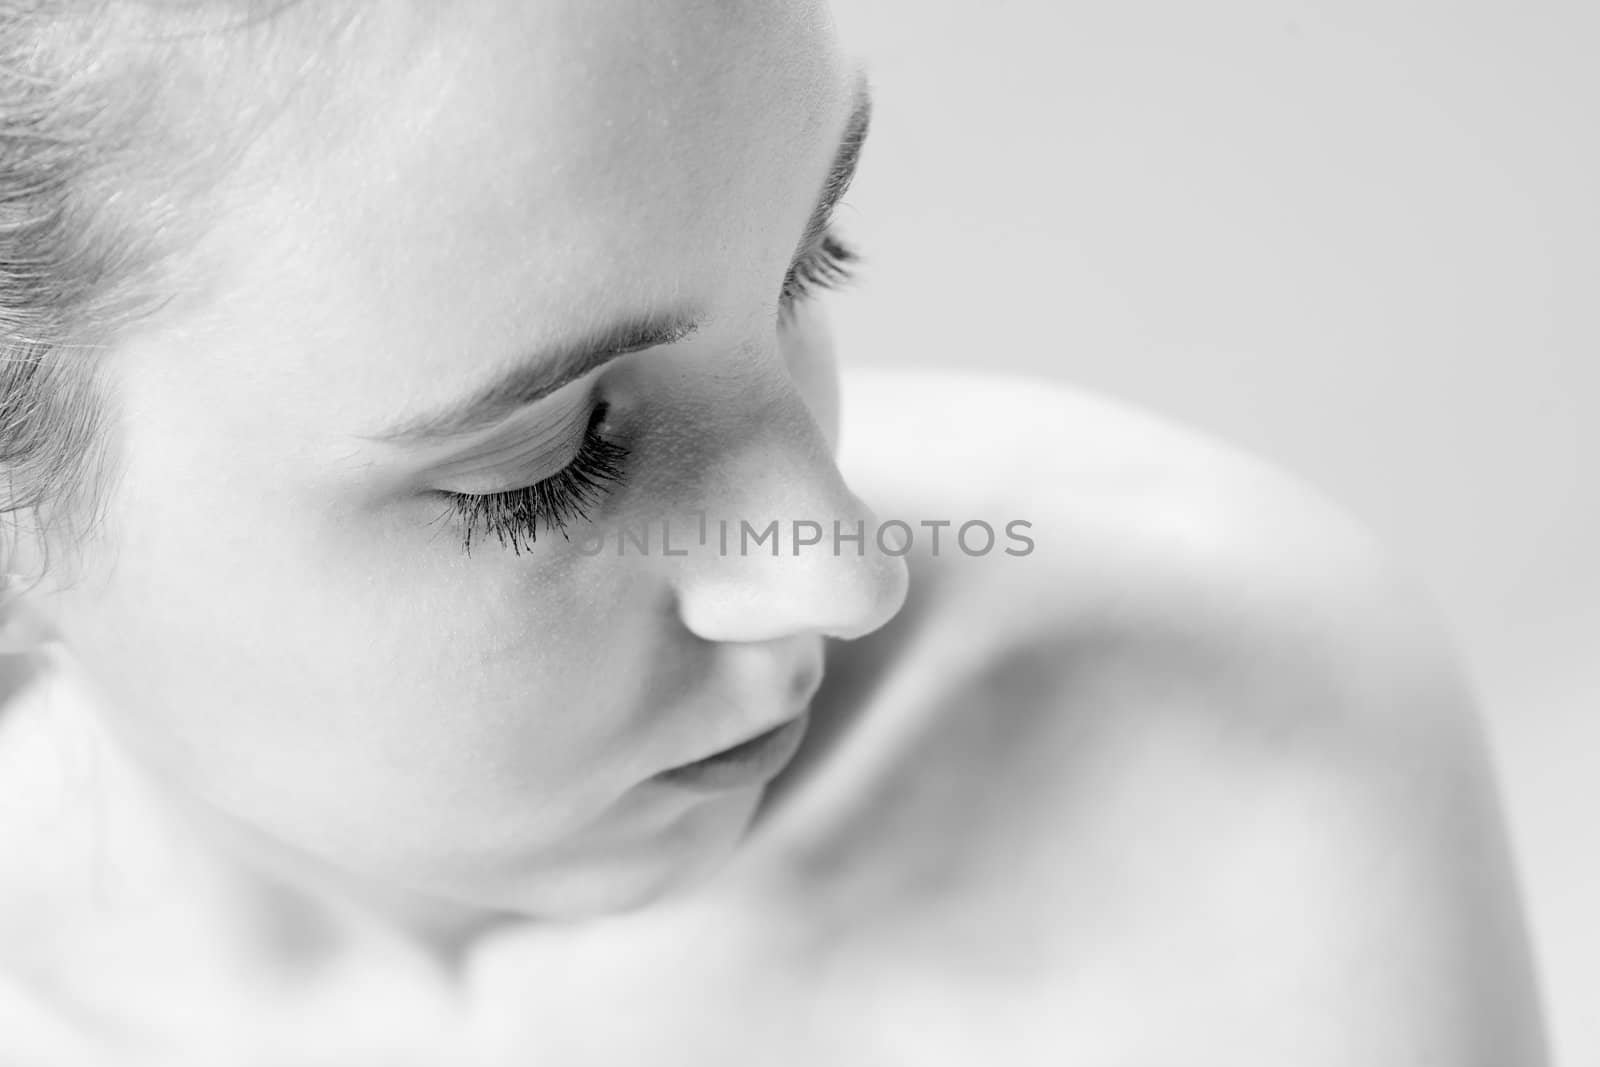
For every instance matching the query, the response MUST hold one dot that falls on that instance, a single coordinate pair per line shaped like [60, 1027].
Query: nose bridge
[783, 544]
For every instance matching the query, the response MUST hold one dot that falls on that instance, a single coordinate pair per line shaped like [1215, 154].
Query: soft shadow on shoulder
[1156, 552]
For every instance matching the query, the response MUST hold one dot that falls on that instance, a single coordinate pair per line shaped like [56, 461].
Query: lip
[746, 764]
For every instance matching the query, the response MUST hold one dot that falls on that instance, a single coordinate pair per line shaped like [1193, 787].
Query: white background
[1359, 238]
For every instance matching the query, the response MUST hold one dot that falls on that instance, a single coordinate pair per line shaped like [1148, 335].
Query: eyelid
[806, 250]
[520, 453]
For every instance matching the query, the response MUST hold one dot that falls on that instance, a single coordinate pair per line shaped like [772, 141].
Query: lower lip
[741, 766]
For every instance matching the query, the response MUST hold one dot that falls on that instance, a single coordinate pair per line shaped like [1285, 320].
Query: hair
[61, 264]
[102, 182]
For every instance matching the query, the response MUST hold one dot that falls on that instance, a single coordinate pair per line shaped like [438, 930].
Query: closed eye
[828, 264]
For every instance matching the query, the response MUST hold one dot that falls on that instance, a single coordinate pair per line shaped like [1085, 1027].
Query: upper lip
[774, 728]
[796, 705]
[770, 726]
[764, 731]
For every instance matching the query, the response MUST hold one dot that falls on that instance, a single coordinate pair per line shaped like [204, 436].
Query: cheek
[318, 680]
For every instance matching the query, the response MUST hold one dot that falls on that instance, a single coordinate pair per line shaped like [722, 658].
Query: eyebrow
[846, 158]
[539, 376]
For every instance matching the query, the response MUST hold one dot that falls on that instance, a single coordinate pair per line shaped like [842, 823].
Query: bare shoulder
[1204, 753]
[1119, 501]
[1141, 533]
[1152, 550]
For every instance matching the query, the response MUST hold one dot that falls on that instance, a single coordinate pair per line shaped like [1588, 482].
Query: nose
[790, 550]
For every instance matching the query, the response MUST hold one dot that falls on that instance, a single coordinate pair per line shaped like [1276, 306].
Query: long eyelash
[830, 264]
[513, 517]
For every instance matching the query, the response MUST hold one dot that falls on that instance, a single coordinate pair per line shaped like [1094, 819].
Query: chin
[632, 874]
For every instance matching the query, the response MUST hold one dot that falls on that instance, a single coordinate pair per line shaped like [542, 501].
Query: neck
[139, 875]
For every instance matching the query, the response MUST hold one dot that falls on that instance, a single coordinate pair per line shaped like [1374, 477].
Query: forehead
[456, 184]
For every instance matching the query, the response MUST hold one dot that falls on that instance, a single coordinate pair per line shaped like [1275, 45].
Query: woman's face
[279, 611]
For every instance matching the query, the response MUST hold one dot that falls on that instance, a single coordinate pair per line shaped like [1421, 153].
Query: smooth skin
[1198, 780]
